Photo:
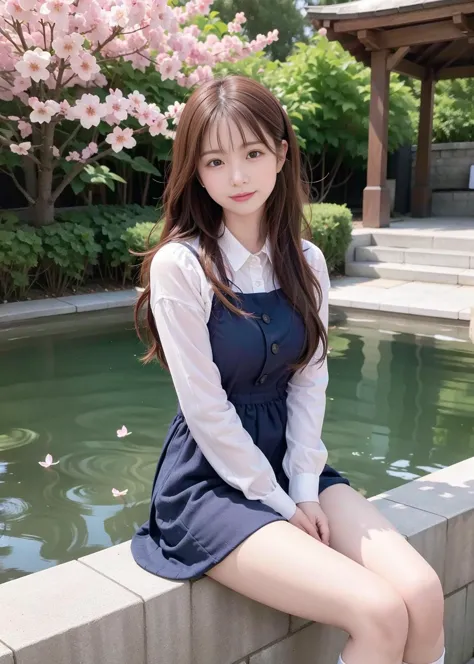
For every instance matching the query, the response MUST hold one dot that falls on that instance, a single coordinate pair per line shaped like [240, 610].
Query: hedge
[99, 245]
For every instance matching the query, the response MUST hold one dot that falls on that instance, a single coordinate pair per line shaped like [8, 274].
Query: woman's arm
[306, 453]
[181, 314]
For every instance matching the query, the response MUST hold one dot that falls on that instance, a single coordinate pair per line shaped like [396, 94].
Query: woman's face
[239, 176]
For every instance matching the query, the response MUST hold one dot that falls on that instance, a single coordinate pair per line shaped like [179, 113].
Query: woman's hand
[310, 517]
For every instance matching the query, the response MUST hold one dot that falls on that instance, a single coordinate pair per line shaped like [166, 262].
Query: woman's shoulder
[176, 256]
[314, 256]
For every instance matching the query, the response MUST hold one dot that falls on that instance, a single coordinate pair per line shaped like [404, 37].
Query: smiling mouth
[242, 197]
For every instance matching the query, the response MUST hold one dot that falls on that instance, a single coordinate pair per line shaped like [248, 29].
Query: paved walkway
[412, 297]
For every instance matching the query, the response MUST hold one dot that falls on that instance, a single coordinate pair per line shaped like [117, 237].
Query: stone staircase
[413, 255]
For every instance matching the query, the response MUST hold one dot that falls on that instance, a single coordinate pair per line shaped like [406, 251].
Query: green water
[399, 406]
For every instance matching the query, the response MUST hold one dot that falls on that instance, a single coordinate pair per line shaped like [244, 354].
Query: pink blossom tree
[56, 64]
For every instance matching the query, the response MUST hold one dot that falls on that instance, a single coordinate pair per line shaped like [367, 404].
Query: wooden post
[421, 195]
[376, 206]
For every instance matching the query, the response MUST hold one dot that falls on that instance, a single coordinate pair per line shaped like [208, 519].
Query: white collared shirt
[181, 300]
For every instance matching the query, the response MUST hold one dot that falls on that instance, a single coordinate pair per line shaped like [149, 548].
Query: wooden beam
[464, 23]
[419, 34]
[411, 69]
[369, 39]
[421, 195]
[455, 72]
[425, 15]
[376, 205]
[425, 56]
[397, 57]
[449, 53]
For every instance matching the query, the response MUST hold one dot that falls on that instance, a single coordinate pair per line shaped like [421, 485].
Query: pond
[400, 405]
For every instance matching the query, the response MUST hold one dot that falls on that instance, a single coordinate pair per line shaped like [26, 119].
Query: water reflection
[398, 407]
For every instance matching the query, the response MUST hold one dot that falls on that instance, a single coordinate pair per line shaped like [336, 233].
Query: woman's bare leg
[287, 569]
[359, 531]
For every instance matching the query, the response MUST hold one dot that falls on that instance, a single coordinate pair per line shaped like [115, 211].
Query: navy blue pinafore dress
[196, 518]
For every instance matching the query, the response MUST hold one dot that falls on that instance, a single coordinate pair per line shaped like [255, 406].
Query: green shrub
[142, 236]
[331, 229]
[108, 223]
[69, 249]
[20, 252]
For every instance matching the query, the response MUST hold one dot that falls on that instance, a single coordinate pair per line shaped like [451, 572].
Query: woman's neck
[248, 233]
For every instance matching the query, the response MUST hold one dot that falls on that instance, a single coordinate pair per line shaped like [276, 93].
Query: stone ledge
[104, 608]
[18, 311]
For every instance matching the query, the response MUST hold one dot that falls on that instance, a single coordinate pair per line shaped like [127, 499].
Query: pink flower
[16, 11]
[117, 105]
[84, 65]
[118, 16]
[119, 139]
[34, 65]
[57, 12]
[174, 112]
[21, 148]
[42, 111]
[322, 31]
[169, 67]
[234, 27]
[55, 152]
[48, 462]
[89, 110]
[24, 128]
[135, 98]
[121, 433]
[74, 156]
[159, 125]
[68, 45]
[116, 493]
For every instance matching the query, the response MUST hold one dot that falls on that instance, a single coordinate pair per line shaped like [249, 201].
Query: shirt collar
[235, 252]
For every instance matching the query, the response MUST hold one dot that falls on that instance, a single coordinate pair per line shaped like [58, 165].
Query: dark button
[262, 379]
[275, 349]
[266, 318]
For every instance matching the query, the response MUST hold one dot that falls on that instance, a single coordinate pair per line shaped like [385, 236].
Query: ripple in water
[13, 509]
[17, 438]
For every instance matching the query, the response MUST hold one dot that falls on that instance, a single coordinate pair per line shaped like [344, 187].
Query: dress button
[275, 348]
[266, 318]
[262, 379]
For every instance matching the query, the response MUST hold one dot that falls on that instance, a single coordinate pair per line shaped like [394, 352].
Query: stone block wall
[450, 165]
[104, 608]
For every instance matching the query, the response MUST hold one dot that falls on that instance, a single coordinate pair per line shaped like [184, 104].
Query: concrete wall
[103, 608]
[450, 164]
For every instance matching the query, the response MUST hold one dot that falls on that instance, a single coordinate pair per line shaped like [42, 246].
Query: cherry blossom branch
[29, 198]
[5, 141]
[19, 31]
[80, 166]
[8, 38]
[70, 138]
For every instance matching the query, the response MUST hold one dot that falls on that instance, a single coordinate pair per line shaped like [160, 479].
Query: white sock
[438, 661]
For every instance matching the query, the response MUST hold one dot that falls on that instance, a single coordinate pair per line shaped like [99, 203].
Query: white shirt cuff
[304, 487]
[281, 503]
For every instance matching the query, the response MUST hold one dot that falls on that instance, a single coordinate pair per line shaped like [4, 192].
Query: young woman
[237, 307]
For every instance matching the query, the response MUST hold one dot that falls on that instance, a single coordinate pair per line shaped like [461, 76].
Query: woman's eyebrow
[244, 145]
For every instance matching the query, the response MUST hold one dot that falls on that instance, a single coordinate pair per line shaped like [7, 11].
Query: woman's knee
[423, 596]
[382, 619]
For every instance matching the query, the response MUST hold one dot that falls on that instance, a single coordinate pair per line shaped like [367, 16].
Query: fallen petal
[116, 493]
[121, 433]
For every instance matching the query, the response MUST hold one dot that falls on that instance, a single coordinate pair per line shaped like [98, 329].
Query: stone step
[434, 257]
[410, 272]
[414, 239]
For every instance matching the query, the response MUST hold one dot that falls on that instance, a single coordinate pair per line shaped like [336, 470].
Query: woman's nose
[238, 178]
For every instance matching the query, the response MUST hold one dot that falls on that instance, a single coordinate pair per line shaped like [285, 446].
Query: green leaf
[144, 166]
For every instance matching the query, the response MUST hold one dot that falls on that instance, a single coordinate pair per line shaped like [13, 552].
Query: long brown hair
[189, 210]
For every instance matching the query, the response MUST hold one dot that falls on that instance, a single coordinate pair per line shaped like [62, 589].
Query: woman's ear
[282, 152]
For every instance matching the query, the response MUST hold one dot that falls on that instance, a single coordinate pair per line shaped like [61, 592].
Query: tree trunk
[43, 209]
[42, 212]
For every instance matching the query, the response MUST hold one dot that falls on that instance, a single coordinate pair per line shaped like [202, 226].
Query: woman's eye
[215, 162]
[254, 154]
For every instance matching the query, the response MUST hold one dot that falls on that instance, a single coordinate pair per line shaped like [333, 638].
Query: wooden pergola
[427, 39]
